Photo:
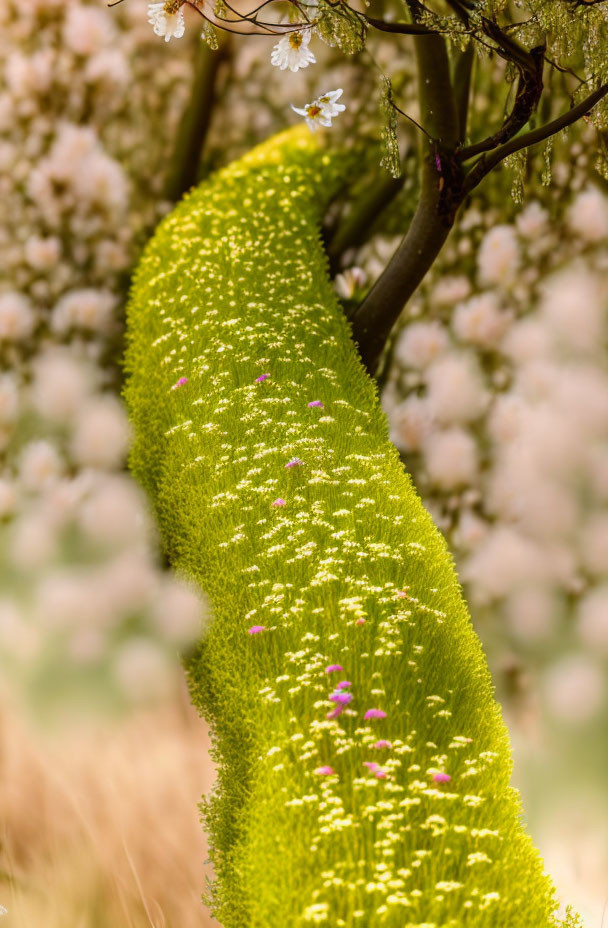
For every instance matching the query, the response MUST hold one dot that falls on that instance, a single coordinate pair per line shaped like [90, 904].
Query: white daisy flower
[293, 52]
[322, 110]
[164, 23]
[327, 101]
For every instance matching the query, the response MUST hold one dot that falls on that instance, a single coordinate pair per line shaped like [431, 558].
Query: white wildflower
[164, 23]
[292, 52]
[327, 101]
[322, 110]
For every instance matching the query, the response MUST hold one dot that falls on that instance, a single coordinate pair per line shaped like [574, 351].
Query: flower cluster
[291, 52]
[322, 110]
[83, 597]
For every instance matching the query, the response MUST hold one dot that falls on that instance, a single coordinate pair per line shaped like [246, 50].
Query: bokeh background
[496, 390]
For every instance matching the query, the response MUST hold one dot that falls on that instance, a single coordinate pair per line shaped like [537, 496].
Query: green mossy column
[363, 763]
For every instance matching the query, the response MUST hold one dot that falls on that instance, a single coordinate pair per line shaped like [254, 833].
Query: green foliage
[572, 919]
[340, 27]
[209, 35]
[390, 157]
[349, 571]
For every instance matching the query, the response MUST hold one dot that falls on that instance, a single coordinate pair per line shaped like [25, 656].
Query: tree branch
[374, 319]
[529, 89]
[352, 230]
[463, 70]
[194, 125]
[487, 163]
[400, 28]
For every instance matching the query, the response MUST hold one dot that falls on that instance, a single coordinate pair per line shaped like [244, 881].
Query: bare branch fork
[446, 180]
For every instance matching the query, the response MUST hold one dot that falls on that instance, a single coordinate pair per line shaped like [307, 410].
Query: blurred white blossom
[575, 689]
[498, 257]
[588, 215]
[420, 343]
[16, 317]
[83, 168]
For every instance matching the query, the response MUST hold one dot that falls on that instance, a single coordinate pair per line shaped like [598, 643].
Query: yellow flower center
[313, 110]
[295, 40]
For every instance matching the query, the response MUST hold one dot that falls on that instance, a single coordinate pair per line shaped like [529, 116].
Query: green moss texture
[363, 763]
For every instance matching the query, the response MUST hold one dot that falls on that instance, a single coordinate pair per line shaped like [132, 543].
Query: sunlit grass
[100, 825]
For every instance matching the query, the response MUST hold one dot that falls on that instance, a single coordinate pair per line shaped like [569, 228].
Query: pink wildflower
[442, 777]
[380, 774]
[343, 684]
[360, 621]
[316, 403]
[279, 502]
[332, 667]
[371, 765]
[261, 378]
[255, 629]
[374, 714]
[180, 383]
[382, 744]
[295, 462]
[342, 698]
[334, 713]
[325, 771]
[402, 594]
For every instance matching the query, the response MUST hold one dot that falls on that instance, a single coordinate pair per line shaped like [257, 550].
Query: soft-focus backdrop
[497, 397]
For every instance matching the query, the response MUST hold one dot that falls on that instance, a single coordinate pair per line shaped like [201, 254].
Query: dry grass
[100, 826]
